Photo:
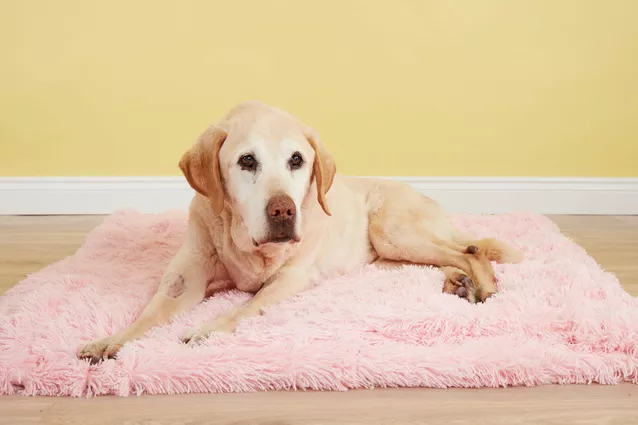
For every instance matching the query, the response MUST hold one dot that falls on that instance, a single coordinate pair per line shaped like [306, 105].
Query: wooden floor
[29, 243]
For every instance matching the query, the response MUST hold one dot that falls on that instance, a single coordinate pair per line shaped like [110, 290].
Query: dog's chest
[250, 271]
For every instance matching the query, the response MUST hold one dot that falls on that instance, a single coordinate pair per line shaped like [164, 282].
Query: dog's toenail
[95, 360]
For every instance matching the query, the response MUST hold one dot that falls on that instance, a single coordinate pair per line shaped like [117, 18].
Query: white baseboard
[103, 195]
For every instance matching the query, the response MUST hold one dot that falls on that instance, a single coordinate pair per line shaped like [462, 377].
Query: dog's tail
[495, 250]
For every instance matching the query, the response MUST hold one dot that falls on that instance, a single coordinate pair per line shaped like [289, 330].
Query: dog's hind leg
[408, 227]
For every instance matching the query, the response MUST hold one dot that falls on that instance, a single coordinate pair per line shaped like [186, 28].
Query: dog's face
[267, 178]
[261, 163]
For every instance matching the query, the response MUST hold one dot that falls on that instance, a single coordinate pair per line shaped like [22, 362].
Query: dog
[272, 216]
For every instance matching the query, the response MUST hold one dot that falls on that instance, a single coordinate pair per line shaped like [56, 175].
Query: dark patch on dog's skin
[176, 288]
[472, 249]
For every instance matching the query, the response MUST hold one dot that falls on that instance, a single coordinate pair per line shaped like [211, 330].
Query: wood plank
[551, 404]
[19, 410]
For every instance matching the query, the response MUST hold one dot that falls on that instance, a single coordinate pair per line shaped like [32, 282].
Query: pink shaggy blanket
[559, 318]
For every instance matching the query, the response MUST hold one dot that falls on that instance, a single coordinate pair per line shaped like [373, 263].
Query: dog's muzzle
[281, 214]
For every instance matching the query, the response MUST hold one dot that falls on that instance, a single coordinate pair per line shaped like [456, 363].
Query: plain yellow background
[452, 88]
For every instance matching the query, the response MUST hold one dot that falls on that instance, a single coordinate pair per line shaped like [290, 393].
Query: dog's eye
[296, 161]
[247, 162]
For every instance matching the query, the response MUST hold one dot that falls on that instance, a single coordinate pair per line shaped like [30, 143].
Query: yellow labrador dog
[272, 215]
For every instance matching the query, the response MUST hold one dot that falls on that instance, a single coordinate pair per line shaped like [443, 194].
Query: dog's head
[262, 164]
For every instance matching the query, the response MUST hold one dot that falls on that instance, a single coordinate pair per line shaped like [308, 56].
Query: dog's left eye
[295, 161]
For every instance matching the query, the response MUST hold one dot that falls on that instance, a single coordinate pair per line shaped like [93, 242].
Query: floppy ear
[324, 169]
[200, 165]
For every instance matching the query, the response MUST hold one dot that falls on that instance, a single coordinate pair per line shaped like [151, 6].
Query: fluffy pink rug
[559, 318]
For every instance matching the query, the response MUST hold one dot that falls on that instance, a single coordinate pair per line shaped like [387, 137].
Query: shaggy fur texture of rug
[559, 318]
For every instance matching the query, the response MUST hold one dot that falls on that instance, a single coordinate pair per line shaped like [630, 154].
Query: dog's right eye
[248, 162]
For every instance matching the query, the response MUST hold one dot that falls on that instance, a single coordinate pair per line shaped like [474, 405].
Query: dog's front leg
[288, 282]
[181, 288]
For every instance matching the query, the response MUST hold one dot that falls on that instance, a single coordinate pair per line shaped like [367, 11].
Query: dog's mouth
[280, 239]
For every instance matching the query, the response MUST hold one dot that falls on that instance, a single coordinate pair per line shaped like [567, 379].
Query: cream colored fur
[342, 223]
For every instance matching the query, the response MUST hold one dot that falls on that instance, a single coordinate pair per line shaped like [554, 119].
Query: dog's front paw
[222, 324]
[195, 335]
[100, 349]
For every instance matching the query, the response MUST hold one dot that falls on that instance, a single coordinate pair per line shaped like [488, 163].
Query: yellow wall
[509, 88]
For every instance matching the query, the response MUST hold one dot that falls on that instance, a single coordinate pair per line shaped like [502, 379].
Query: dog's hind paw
[461, 285]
